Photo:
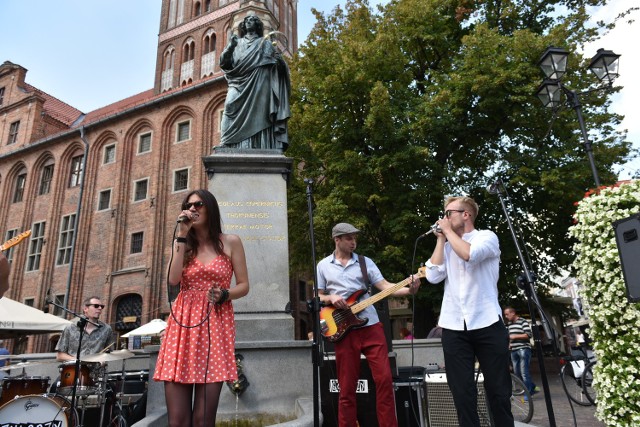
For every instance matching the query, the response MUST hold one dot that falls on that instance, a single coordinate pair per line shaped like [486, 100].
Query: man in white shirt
[468, 261]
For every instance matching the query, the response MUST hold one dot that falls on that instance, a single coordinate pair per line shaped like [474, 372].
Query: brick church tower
[100, 190]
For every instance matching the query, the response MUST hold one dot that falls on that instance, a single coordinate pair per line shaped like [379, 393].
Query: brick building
[100, 191]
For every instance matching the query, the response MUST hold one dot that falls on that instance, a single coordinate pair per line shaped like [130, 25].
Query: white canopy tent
[152, 328]
[17, 319]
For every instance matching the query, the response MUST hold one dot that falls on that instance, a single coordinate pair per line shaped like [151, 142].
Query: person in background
[435, 332]
[197, 354]
[468, 261]
[4, 274]
[520, 346]
[339, 276]
[4, 361]
[95, 339]
[405, 334]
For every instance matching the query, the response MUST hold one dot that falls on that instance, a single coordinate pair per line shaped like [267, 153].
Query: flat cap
[343, 228]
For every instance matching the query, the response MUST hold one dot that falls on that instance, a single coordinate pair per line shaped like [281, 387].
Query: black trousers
[490, 346]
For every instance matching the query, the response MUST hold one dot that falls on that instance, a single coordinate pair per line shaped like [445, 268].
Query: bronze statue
[257, 106]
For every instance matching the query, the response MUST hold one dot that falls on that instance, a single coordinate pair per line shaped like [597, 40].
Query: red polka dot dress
[203, 354]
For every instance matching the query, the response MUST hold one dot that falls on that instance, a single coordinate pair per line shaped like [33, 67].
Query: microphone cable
[169, 294]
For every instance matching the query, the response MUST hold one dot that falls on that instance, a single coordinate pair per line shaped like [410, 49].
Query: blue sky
[92, 53]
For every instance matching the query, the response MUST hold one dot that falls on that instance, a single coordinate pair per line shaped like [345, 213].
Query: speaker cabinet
[410, 402]
[441, 412]
[329, 393]
[628, 241]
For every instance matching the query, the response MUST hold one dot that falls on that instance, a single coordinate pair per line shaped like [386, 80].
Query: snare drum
[38, 410]
[22, 386]
[87, 379]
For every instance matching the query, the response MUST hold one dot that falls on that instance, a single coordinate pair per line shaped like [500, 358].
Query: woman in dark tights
[198, 348]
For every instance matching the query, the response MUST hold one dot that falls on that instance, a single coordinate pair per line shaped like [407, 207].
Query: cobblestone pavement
[585, 415]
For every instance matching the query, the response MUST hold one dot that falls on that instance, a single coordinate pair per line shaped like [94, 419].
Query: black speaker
[627, 231]
[410, 402]
[329, 392]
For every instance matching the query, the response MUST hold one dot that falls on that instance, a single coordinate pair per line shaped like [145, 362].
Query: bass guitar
[335, 322]
[15, 240]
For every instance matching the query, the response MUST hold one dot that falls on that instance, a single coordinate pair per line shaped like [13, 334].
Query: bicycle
[521, 403]
[587, 383]
[571, 375]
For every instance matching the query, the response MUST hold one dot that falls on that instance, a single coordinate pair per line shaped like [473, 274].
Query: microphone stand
[314, 307]
[82, 322]
[532, 299]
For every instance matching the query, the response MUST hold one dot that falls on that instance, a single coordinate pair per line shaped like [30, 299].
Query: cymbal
[108, 357]
[26, 364]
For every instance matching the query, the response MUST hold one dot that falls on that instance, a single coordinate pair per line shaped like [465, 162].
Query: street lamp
[554, 65]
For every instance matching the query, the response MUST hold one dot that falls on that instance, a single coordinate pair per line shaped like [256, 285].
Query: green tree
[394, 110]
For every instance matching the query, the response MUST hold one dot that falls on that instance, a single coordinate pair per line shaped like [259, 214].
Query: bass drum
[38, 410]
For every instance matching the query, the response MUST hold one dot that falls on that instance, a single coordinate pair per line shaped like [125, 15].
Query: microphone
[435, 228]
[495, 187]
[185, 218]
[47, 302]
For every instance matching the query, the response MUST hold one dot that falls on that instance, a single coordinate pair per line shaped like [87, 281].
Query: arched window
[207, 6]
[290, 26]
[128, 307]
[167, 69]
[197, 9]
[19, 185]
[176, 13]
[188, 53]
[208, 62]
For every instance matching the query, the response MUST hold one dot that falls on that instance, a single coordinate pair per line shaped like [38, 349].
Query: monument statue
[256, 109]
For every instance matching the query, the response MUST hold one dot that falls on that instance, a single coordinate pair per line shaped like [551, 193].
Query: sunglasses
[448, 212]
[196, 205]
[95, 305]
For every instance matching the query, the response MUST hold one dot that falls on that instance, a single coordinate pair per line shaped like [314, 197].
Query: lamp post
[554, 65]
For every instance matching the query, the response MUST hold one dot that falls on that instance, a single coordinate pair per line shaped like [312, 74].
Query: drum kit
[30, 401]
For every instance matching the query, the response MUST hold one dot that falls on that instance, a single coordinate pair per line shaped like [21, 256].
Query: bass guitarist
[340, 275]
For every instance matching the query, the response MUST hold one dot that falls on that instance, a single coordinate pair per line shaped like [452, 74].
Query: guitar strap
[365, 276]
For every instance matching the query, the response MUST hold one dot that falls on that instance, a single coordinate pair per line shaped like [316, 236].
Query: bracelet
[224, 296]
[181, 239]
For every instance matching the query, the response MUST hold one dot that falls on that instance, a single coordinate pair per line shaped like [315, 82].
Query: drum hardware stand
[103, 392]
[82, 322]
[121, 420]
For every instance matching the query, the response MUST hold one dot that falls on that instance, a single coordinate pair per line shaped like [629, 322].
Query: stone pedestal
[251, 189]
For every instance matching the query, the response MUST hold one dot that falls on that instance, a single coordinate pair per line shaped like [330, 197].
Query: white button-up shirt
[470, 287]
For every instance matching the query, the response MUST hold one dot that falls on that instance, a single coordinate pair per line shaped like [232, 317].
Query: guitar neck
[357, 308]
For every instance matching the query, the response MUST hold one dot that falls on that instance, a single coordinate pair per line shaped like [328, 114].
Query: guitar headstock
[15, 240]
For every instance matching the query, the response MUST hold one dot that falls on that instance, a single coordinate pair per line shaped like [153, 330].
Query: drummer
[95, 339]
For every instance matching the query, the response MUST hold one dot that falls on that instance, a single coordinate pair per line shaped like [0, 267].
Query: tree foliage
[395, 109]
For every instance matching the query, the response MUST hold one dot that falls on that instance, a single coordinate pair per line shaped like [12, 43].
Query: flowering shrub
[614, 321]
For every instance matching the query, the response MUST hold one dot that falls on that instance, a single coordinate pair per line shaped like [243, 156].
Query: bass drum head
[49, 410]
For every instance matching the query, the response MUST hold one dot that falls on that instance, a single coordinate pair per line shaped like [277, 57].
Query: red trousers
[371, 342]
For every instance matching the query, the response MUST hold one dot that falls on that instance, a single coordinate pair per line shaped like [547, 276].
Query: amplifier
[441, 412]
[365, 394]
[410, 404]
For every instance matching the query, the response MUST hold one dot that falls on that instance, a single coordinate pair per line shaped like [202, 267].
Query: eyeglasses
[95, 305]
[196, 205]
[448, 212]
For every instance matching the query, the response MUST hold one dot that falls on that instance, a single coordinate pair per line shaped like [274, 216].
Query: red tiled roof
[119, 106]
[55, 108]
